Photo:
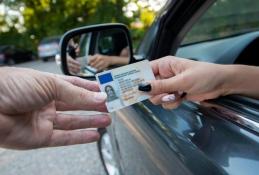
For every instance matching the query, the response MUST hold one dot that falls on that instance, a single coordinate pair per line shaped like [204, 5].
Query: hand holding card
[121, 84]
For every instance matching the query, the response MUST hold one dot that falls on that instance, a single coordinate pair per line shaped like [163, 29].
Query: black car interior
[239, 49]
[249, 56]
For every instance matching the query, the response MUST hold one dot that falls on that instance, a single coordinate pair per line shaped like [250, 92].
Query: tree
[45, 18]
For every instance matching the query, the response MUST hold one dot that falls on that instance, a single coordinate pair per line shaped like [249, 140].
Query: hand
[175, 76]
[29, 101]
[73, 65]
[100, 62]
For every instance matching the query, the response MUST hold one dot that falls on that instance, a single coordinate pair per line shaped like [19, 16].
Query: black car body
[220, 136]
[9, 54]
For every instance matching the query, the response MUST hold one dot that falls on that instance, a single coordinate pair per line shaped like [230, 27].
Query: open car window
[227, 33]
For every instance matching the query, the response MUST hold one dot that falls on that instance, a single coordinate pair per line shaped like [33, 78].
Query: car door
[215, 137]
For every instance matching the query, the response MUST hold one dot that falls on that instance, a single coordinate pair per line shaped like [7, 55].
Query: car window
[84, 44]
[147, 42]
[225, 18]
[105, 44]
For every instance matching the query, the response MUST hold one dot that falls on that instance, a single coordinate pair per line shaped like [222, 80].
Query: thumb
[78, 97]
[169, 85]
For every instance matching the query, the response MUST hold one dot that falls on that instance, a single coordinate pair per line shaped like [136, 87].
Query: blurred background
[32, 29]
[29, 35]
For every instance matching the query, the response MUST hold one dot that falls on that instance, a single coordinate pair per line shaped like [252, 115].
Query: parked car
[219, 136]
[10, 54]
[48, 48]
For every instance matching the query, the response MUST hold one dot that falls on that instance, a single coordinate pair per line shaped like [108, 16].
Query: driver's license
[121, 84]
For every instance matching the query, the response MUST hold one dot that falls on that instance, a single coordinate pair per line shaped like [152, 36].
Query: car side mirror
[86, 51]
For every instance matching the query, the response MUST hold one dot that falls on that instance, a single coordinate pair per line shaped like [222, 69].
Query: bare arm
[243, 80]
[200, 81]
[118, 60]
[101, 62]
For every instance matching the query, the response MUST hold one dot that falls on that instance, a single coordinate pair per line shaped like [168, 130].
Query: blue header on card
[105, 78]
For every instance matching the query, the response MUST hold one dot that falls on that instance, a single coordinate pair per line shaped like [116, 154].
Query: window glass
[112, 42]
[84, 44]
[148, 41]
[225, 18]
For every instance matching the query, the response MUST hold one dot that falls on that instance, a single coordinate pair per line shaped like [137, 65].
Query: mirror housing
[82, 31]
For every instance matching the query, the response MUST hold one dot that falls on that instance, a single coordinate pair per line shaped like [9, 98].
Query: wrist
[110, 60]
[227, 73]
[233, 79]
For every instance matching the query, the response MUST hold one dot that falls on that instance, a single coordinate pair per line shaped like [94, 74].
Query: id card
[121, 84]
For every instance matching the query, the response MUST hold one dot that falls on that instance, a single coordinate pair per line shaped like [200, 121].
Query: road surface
[72, 160]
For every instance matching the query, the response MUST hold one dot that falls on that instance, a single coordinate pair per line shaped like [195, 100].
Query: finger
[72, 122]
[100, 67]
[165, 98]
[61, 106]
[94, 64]
[74, 62]
[77, 96]
[99, 64]
[86, 84]
[169, 85]
[162, 67]
[73, 68]
[156, 100]
[64, 138]
[155, 66]
[93, 60]
[172, 105]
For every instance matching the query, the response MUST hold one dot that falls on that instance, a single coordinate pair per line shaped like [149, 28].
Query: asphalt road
[72, 160]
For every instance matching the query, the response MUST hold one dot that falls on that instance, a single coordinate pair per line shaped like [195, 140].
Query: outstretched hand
[29, 101]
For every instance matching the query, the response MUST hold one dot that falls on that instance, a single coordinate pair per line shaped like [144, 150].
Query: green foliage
[44, 18]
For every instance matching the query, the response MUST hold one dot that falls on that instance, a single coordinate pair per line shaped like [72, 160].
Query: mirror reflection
[90, 53]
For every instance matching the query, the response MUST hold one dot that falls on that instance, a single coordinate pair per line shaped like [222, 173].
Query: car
[219, 136]
[48, 48]
[10, 54]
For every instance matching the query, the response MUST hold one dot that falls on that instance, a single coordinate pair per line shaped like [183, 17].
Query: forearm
[116, 60]
[242, 80]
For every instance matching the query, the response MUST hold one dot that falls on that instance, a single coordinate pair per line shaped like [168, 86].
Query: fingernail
[106, 120]
[100, 96]
[145, 87]
[168, 98]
